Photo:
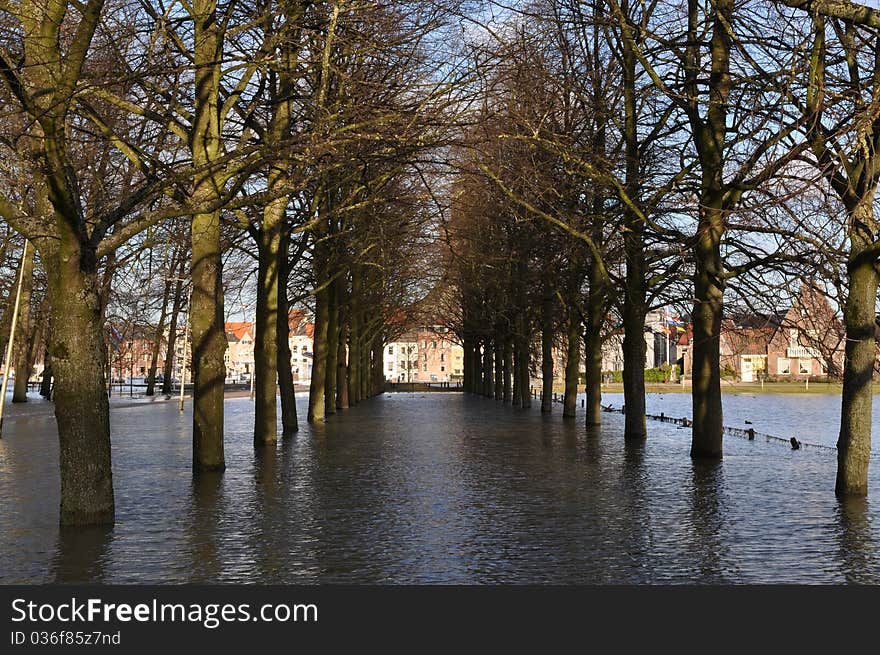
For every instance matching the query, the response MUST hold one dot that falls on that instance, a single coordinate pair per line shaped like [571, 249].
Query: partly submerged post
[8, 360]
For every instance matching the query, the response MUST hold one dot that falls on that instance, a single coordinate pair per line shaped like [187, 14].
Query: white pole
[185, 338]
[12, 336]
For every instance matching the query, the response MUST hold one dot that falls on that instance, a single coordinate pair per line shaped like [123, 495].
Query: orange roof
[295, 318]
[240, 329]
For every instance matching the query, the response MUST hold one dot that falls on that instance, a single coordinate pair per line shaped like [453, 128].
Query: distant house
[661, 333]
[301, 341]
[239, 356]
[803, 341]
[428, 354]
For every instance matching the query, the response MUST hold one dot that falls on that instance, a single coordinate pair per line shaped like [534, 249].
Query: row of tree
[148, 144]
[628, 155]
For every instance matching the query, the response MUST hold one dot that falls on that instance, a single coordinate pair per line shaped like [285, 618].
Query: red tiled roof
[240, 329]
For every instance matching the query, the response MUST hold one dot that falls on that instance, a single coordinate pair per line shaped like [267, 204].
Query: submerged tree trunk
[468, 347]
[289, 420]
[854, 442]
[332, 349]
[508, 370]
[499, 369]
[522, 363]
[168, 367]
[81, 406]
[267, 318]
[488, 370]
[319, 362]
[206, 309]
[595, 317]
[342, 401]
[208, 344]
[23, 344]
[547, 360]
[708, 307]
[572, 363]
[157, 336]
[634, 346]
[46, 382]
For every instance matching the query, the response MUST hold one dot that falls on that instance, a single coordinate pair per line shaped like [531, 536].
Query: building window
[783, 366]
[442, 368]
[442, 357]
[424, 367]
[804, 366]
[294, 348]
[390, 366]
[434, 344]
[426, 358]
[390, 350]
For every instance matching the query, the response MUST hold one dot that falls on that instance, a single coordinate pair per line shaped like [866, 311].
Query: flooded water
[436, 488]
[810, 417]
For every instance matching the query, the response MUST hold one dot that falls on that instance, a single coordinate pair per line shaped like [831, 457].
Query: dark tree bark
[572, 363]
[332, 349]
[289, 420]
[81, 404]
[547, 358]
[46, 382]
[319, 363]
[508, 370]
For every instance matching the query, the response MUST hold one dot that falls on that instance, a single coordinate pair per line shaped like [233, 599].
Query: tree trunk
[168, 368]
[522, 365]
[319, 362]
[593, 375]
[378, 380]
[267, 317]
[854, 442]
[46, 382]
[157, 338]
[572, 363]
[488, 370]
[332, 349]
[508, 370]
[82, 409]
[634, 346]
[208, 344]
[23, 345]
[595, 318]
[547, 359]
[342, 367]
[206, 310]
[499, 369]
[468, 347]
[354, 352]
[708, 308]
[517, 376]
[289, 420]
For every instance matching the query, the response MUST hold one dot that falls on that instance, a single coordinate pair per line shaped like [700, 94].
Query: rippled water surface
[435, 488]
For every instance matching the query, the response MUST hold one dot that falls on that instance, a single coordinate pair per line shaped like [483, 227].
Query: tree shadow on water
[856, 542]
[706, 506]
[80, 554]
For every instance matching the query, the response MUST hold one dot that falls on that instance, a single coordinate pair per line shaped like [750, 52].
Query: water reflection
[857, 550]
[706, 520]
[202, 542]
[437, 489]
[80, 555]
